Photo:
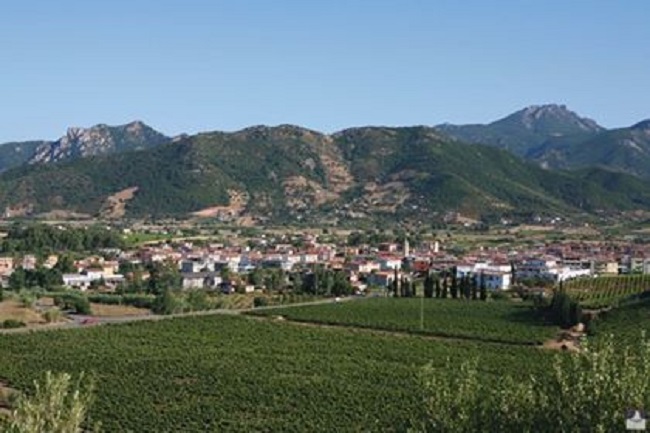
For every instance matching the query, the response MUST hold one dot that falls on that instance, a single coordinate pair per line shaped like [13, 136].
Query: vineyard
[605, 292]
[626, 323]
[222, 373]
[506, 322]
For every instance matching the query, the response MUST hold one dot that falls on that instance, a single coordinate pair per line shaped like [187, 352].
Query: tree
[18, 279]
[438, 290]
[454, 287]
[395, 283]
[429, 286]
[165, 303]
[483, 290]
[256, 277]
[65, 264]
[445, 288]
[163, 276]
[464, 399]
[466, 286]
[59, 404]
[475, 288]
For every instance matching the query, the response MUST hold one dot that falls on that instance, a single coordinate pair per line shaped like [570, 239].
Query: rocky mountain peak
[100, 139]
[553, 119]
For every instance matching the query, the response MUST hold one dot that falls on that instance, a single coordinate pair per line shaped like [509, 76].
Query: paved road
[79, 321]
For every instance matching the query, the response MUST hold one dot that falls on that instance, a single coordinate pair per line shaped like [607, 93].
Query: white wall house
[548, 269]
[495, 277]
[83, 281]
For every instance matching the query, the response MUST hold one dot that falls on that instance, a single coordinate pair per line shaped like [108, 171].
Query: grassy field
[501, 321]
[14, 310]
[222, 373]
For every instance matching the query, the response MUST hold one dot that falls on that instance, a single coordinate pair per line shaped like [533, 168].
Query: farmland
[237, 374]
[607, 291]
[498, 321]
[625, 323]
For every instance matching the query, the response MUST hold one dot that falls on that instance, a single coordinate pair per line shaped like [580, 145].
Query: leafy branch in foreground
[58, 405]
[586, 392]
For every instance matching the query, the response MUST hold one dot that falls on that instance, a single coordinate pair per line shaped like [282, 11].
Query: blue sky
[198, 65]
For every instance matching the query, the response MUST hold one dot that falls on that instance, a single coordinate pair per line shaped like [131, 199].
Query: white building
[548, 269]
[83, 281]
[495, 277]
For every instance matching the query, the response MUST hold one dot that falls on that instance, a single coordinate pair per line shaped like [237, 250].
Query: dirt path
[78, 321]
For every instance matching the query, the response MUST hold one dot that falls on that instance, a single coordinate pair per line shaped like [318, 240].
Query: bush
[76, 302]
[586, 392]
[52, 315]
[27, 299]
[197, 300]
[500, 296]
[13, 324]
[260, 301]
[57, 405]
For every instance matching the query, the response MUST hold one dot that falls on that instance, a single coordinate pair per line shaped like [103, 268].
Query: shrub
[76, 302]
[260, 301]
[52, 315]
[13, 323]
[27, 299]
[58, 405]
[586, 392]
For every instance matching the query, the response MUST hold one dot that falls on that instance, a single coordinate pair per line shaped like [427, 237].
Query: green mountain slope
[624, 149]
[288, 173]
[527, 129]
[18, 153]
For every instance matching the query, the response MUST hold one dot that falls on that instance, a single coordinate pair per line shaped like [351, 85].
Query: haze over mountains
[289, 173]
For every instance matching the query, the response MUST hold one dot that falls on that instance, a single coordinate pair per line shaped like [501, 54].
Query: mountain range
[555, 137]
[288, 173]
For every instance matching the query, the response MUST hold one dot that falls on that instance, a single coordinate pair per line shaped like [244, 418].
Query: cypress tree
[395, 283]
[475, 289]
[428, 286]
[467, 286]
[437, 287]
[445, 288]
[483, 294]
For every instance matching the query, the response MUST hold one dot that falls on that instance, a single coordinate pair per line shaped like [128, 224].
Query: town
[264, 265]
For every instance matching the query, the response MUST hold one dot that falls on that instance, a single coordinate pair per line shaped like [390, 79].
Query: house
[200, 280]
[388, 263]
[363, 267]
[494, 280]
[84, 280]
[6, 266]
[29, 261]
[381, 279]
[548, 269]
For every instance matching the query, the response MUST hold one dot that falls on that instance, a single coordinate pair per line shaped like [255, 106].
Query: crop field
[603, 292]
[224, 373]
[625, 323]
[498, 321]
